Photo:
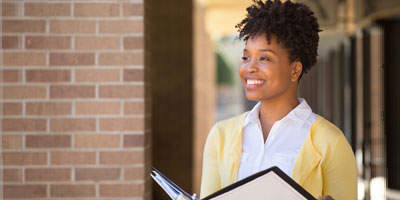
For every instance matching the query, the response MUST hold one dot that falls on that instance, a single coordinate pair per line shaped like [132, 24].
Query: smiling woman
[268, 76]
[281, 130]
[266, 71]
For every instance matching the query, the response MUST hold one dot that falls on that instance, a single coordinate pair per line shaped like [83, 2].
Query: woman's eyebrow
[270, 50]
[263, 50]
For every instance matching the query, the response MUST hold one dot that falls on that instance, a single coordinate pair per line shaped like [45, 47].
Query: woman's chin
[252, 97]
[259, 97]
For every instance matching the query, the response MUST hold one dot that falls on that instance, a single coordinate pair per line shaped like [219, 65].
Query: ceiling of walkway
[221, 16]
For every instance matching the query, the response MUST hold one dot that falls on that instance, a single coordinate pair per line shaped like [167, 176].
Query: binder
[270, 184]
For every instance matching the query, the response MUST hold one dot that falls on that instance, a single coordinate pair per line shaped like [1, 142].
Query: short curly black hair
[294, 24]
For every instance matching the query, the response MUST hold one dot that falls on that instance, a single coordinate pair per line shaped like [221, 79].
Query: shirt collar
[298, 115]
[253, 115]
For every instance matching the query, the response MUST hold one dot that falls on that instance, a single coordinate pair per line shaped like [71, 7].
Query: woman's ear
[296, 71]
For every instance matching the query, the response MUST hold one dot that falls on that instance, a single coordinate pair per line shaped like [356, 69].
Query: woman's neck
[274, 110]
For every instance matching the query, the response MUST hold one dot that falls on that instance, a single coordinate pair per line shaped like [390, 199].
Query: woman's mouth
[254, 83]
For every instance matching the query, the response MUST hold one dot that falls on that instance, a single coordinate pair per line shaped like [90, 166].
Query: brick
[97, 174]
[9, 9]
[71, 59]
[24, 59]
[134, 141]
[24, 92]
[72, 190]
[47, 9]
[133, 75]
[94, 43]
[72, 158]
[136, 108]
[97, 108]
[96, 10]
[121, 157]
[12, 175]
[121, 190]
[72, 91]
[120, 59]
[134, 173]
[12, 108]
[24, 26]
[24, 191]
[11, 42]
[11, 141]
[121, 26]
[24, 158]
[97, 141]
[48, 108]
[121, 91]
[132, 9]
[10, 76]
[121, 124]
[48, 42]
[72, 26]
[97, 75]
[47, 174]
[72, 124]
[133, 43]
[48, 76]
[24, 124]
[48, 141]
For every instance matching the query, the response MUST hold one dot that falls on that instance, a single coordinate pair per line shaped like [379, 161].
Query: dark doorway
[168, 61]
[392, 101]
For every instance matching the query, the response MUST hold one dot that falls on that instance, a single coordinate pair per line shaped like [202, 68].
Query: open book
[271, 183]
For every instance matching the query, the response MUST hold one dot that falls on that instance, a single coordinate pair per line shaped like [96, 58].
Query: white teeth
[254, 82]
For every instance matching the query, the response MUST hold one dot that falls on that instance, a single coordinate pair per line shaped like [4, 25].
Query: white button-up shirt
[283, 143]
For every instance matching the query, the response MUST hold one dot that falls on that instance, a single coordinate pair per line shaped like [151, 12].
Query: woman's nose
[252, 66]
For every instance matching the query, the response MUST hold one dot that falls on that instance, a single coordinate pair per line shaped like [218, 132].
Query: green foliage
[224, 71]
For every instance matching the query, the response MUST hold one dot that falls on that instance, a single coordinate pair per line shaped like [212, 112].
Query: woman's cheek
[242, 70]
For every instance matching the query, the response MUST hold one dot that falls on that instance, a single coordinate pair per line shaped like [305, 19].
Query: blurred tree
[224, 71]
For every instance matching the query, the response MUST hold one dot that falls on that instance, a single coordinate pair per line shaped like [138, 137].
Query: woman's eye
[244, 58]
[264, 59]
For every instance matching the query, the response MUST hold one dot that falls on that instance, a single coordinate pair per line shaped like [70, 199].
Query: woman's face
[266, 71]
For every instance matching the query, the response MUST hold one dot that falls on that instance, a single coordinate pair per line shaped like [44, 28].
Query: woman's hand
[325, 198]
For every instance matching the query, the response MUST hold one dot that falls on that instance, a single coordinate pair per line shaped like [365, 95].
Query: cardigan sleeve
[210, 181]
[340, 172]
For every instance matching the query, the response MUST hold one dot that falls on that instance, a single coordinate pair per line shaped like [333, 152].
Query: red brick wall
[73, 101]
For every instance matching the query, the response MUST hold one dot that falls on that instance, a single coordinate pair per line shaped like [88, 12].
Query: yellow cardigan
[325, 164]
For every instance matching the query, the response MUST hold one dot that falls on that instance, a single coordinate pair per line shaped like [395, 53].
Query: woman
[281, 130]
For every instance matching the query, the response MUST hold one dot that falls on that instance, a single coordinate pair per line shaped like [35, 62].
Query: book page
[270, 186]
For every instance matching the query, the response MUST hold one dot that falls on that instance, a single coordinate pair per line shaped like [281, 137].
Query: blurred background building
[94, 92]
